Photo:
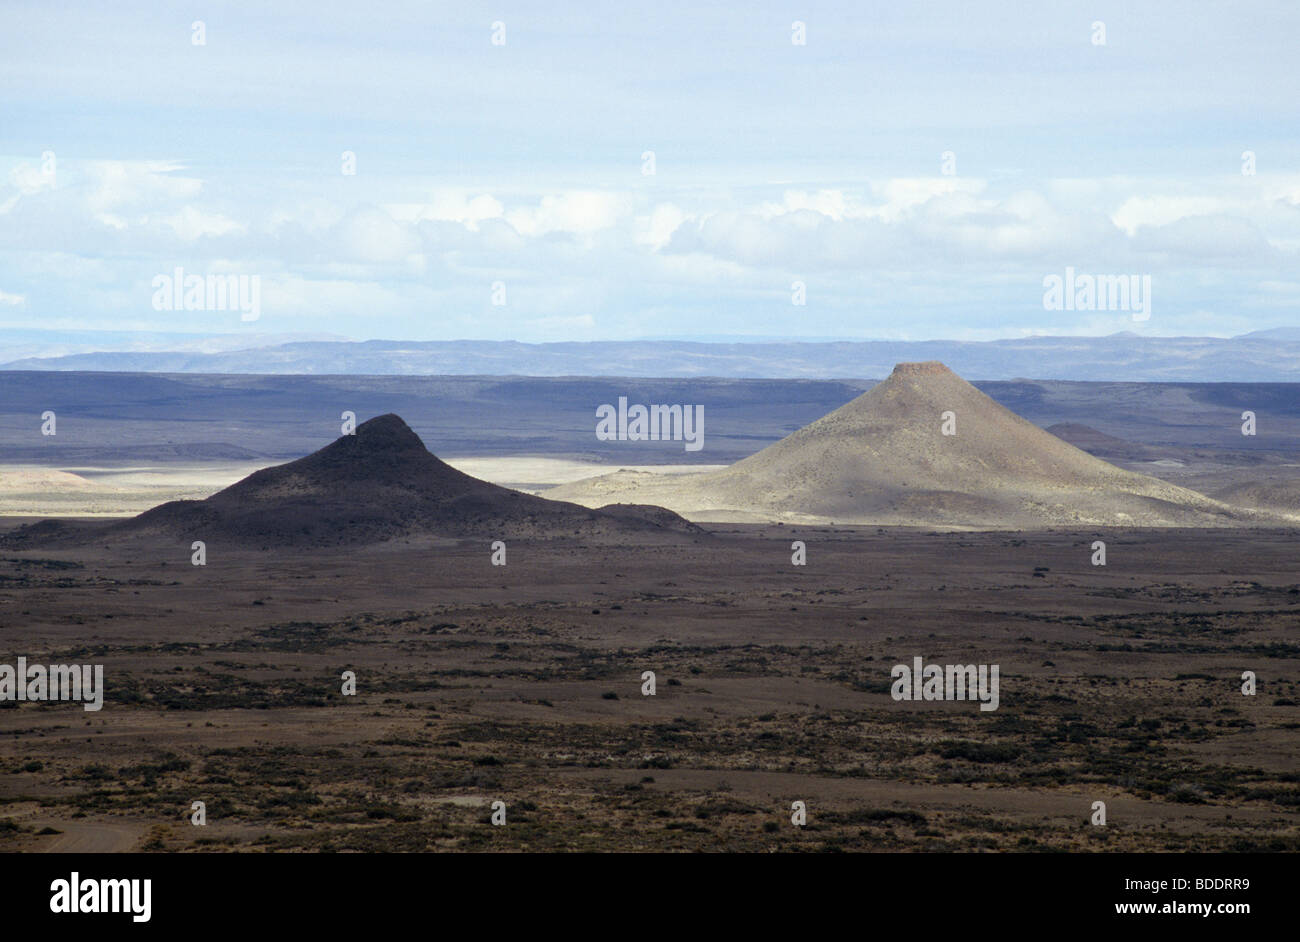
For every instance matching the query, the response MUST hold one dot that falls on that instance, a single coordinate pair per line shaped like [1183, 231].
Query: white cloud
[579, 259]
[294, 296]
[191, 223]
[450, 206]
[831, 203]
[137, 185]
[1200, 237]
[577, 211]
[30, 179]
[26, 180]
[1138, 211]
[656, 229]
[903, 195]
[371, 235]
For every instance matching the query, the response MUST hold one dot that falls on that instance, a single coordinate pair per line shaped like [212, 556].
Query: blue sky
[522, 163]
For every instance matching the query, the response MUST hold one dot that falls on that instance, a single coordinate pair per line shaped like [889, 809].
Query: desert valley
[372, 648]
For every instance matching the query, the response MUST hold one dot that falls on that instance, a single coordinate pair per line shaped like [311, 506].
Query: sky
[907, 172]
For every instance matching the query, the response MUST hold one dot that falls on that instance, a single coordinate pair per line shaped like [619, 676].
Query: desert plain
[524, 684]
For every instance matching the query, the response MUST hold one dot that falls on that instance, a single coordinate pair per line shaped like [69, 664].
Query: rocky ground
[523, 684]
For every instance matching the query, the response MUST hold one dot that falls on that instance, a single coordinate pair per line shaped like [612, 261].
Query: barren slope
[882, 459]
[378, 484]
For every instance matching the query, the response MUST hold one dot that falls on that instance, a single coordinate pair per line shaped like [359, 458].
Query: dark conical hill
[379, 484]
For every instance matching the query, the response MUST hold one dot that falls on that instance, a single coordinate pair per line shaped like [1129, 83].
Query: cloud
[371, 235]
[191, 224]
[1216, 237]
[920, 224]
[1139, 211]
[27, 180]
[450, 206]
[656, 229]
[137, 185]
[615, 258]
[30, 179]
[291, 296]
[577, 211]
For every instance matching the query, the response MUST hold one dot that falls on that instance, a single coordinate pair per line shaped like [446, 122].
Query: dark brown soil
[523, 684]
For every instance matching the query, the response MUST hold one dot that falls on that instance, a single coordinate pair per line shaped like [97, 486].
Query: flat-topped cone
[922, 448]
[893, 437]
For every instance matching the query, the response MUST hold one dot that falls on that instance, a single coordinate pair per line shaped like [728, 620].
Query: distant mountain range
[1262, 356]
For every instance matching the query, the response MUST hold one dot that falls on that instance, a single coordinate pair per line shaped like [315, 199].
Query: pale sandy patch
[91, 491]
[535, 474]
[111, 492]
